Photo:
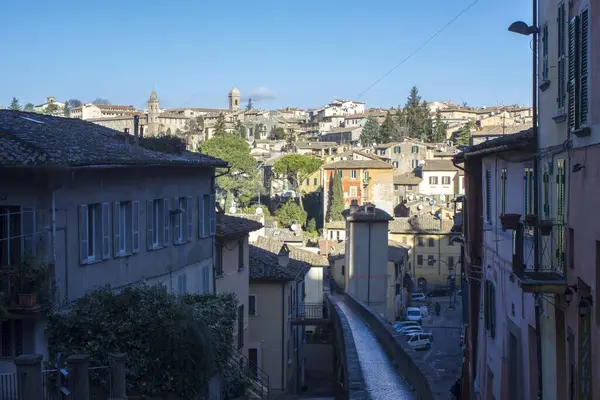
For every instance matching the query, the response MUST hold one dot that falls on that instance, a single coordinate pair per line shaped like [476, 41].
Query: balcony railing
[309, 313]
[26, 288]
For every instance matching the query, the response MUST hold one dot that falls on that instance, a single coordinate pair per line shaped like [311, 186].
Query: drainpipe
[538, 311]
[369, 271]
[284, 358]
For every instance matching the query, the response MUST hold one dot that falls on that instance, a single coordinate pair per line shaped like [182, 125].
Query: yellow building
[434, 256]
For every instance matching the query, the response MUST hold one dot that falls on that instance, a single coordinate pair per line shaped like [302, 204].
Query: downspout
[284, 358]
[369, 270]
[534, 92]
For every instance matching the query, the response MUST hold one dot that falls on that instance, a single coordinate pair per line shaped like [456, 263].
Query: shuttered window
[488, 195]
[546, 183]
[583, 68]
[503, 191]
[573, 74]
[561, 87]
[528, 190]
[560, 215]
[490, 308]
[545, 52]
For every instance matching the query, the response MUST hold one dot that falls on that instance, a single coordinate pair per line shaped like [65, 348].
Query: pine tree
[416, 116]
[67, 110]
[249, 106]
[28, 107]
[370, 132]
[336, 203]
[220, 128]
[463, 136]
[14, 104]
[439, 128]
[387, 130]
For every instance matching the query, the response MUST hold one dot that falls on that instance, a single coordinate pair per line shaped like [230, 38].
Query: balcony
[25, 288]
[309, 314]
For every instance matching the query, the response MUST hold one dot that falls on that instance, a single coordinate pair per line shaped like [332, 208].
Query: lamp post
[451, 277]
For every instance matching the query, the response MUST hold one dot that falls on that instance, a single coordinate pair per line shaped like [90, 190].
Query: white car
[414, 314]
[410, 330]
[402, 324]
[419, 341]
[416, 297]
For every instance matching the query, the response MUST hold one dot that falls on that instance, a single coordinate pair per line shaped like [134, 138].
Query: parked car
[416, 297]
[401, 324]
[442, 291]
[414, 314]
[409, 329]
[419, 341]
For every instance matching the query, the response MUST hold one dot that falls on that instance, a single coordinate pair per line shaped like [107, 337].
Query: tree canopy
[220, 126]
[73, 103]
[295, 168]
[101, 102]
[463, 136]
[242, 181]
[277, 133]
[249, 106]
[239, 129]
[29, 107]
[178, 342]
[14, 104]
[336, 202]
[439, 129]
[290, 213]
[370, 132]
[67, 110]
[416, 116]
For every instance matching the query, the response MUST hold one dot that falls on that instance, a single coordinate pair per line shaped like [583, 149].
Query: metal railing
[9, 387]
[101, 387]
[259, 379]
[309, 311]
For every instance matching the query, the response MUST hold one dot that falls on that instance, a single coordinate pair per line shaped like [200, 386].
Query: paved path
[382, 381]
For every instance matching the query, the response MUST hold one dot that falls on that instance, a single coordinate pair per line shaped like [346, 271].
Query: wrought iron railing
[259, 379]
[10, 388]
[309, 311]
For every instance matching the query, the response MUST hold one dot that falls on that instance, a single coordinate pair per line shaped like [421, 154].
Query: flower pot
[27, 300]
[510, 221]
[530, 220]
[545, 228]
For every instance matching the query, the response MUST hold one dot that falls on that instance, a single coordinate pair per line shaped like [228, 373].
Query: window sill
[544, 85]
[157, 247]
[219, 276]
[582, 132]
[560, 118]
[123, 254]
[180, 242]
[240, 269]
[95, 261]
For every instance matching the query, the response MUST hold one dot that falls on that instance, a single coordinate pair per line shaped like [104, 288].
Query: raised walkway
[382, 381]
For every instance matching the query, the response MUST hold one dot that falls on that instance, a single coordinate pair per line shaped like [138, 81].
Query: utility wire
[419, 48]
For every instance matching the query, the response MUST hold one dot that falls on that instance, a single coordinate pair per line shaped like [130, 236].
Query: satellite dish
[259, 210]
[410, 197]
[431, 203]
[232, 209]
[420, 207]
[293, 227]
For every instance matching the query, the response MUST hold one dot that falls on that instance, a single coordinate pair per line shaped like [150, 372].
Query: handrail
[251, 370]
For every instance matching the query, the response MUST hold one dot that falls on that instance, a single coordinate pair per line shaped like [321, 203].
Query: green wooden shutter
[526, 192]
[572, 89]
[546, 195]
[492, 311]
[488, 195]
[545, 52]
[503, 194]
[532, 194]
[560, 99]
[583, 69]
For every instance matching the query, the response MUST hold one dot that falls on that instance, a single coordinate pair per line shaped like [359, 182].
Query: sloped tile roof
[439, 165]
[264, 266]
[408, 178]
[229, 225]
[30, 139]
[358, 164]
[397, 251]
[421, 223]
[296, 253]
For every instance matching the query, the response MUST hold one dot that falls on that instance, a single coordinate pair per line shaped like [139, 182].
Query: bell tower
[234, 99]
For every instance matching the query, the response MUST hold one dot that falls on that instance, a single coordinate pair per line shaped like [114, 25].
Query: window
[94, 234]
[207, 214]
[410, 187]
[341, 173]
[561, 90]
[337, 235]
[414, 163]
[584, 68]
[252, 305]
[397, 270]
[396, 149]
[529, 190]
[366, 175]
[450, 262]
[503, 191]
[17, 234]
[578, 71]
[395, 164]
[241, 258]
[353, 174]
[431, 242]
[430, 261]
[433, 180]
[182, 283]
[307, 181]
[240, 326]
[382, 152]
[205, 279]
[11, 337]
[546, 184]
[353, 191]
[125, 224]
[343, 270]
[414, 149]
[490, 308]
[315, 181]
[420, 241]
[218, 260]
[419, 259]
[488, 195]
[445, 180]
[545, 52]
[560, 214]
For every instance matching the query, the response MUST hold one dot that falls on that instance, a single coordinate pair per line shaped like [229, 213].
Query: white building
[440, 177]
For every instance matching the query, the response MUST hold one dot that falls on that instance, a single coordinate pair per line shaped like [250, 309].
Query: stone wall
[423, 379]
[348, 373]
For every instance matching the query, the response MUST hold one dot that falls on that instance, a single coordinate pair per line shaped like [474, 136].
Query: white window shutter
[200, 216]
[149, 224]
[105, 231]
[166, 221]
[135, 227]
[83, 232]
[28, 240]
[213, 215]
[188, 218]
[116, 233]
[176, 221]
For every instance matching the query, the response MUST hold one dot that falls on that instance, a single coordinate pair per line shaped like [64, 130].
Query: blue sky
[290, 52]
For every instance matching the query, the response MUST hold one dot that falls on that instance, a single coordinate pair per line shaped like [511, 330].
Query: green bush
[173, 344]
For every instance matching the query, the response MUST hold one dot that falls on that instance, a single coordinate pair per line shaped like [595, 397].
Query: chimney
[353, 206]
[284, 256]
[136, 128]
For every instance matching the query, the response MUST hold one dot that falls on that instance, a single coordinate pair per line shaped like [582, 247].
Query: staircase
[257, 378]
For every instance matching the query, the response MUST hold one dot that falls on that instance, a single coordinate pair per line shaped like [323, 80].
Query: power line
[419, 48]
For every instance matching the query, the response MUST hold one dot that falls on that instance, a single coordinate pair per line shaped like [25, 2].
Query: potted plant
[510, 221]
[27, 280]
[530, 220]
[545, 227]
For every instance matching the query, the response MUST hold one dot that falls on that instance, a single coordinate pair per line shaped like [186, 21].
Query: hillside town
[429, 250]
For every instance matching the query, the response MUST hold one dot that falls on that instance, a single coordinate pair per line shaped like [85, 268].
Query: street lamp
[522, 28]
[584, 306]
[569, 292]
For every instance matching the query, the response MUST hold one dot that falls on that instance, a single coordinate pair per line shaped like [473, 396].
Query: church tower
[234, 99]
[153, 107]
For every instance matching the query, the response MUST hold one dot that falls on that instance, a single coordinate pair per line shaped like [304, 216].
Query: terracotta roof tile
[229, 225]
[358, 164]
